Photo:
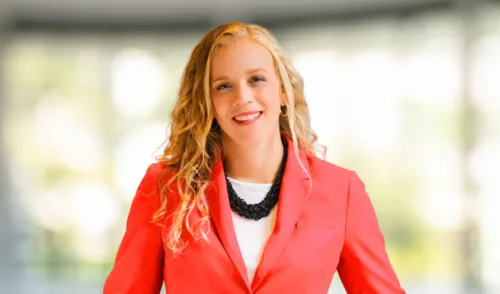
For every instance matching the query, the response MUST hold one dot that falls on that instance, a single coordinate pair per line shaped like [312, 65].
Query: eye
[222, 87]
[256, 79]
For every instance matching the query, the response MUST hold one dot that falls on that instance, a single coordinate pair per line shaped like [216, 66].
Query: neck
[254, 164]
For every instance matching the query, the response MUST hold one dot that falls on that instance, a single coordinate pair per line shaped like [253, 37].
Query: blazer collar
[295, 187]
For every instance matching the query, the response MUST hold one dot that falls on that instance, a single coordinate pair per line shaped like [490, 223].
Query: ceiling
[189, 12]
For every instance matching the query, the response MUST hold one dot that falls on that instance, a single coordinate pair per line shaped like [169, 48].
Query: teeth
[247, 117]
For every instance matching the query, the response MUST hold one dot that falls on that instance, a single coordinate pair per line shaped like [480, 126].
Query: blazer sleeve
[364, 265]
[139, 260]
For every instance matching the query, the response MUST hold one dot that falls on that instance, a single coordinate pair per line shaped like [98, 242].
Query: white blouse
[252, 235]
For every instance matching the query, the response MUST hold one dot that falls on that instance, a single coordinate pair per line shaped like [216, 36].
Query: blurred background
[406, 93]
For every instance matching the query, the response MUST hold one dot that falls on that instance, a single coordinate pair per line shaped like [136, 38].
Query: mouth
[247, 117]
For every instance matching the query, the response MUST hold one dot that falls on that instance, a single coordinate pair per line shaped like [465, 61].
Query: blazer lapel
[295, 187]
[220, 212]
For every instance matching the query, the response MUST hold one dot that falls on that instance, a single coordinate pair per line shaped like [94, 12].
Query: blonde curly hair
[194, 144]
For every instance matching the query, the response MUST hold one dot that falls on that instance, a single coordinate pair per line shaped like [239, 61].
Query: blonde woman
[239, 203]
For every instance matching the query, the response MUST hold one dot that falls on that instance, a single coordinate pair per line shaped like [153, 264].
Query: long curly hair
[194, 144]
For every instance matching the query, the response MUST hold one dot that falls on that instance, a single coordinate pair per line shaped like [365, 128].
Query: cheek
[272, 102]
[272, 97]
[216, 104]
[219, 107]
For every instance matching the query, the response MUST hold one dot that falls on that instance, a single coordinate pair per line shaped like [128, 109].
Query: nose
[243, 94]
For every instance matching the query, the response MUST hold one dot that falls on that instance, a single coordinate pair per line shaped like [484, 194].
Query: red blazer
[329, 227]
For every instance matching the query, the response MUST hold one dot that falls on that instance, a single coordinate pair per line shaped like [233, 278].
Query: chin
[246, 139]
[252, 138]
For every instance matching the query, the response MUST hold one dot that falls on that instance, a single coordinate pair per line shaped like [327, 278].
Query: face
[246, 92]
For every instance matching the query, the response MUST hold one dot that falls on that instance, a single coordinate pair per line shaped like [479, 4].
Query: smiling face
[246, 92]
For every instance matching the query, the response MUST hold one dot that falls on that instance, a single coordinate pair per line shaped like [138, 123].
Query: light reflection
[486, 68]
[433, 76]
[138, 82]
[93, 249]
[346, 92]
[94, 209]
[441, 201]
[374, 84]
[373, 75]
[489, 220]
[67, 137]
[485, 170]
[51, 210]
[324, 90]
[87, 207]
[134, 153]
[485, 163]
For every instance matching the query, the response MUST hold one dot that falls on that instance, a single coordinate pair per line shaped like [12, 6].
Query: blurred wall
[9, 262]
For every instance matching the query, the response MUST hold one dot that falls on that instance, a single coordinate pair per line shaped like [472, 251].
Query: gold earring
[286, 111]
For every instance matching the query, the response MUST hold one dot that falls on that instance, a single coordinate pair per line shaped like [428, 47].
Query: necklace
[263, 208]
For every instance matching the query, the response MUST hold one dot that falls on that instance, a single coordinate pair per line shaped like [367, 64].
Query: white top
[252, 235]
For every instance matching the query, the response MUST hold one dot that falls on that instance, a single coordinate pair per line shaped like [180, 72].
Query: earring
[286, 111]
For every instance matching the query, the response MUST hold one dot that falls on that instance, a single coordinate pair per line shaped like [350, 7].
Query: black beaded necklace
[263, 208]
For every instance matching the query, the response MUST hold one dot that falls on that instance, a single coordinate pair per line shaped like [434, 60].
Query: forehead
[240, 56]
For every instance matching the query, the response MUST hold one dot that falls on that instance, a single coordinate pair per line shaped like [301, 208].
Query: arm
[138, 265]
[364, 266]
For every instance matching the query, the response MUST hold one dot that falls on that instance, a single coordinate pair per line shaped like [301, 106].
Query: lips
[247, 117]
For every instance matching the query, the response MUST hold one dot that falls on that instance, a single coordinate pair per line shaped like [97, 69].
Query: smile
[247, 118]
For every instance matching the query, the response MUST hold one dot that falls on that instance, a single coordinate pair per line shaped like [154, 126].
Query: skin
[244, 80]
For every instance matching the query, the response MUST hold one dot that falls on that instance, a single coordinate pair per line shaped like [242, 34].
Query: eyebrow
[251, 71]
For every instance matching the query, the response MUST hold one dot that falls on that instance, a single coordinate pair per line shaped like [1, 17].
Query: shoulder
[335, 184]
[323, 170]
[329, 177]
[153, 174]
[155, 177]
[158, 171]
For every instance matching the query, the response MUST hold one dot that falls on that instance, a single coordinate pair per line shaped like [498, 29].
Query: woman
[239, 203]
